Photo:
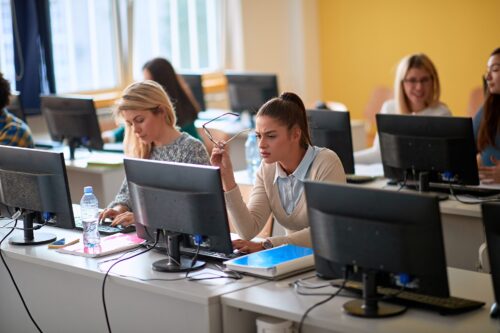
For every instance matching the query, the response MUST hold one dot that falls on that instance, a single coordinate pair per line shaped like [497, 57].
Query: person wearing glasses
[416, 91]
[487, 124]
[150, 133]
[288, 158]
[13, 131]
[185, 105]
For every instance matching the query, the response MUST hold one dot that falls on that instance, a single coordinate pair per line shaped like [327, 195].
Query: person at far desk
[416, 91]
[487, 124]
[13, 131]
[150, 133]
[185, 105]
[288, 158]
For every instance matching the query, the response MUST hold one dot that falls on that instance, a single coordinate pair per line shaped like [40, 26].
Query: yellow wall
[361, 42]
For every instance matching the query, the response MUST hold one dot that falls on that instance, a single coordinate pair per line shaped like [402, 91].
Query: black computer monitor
[73, 119]
[491, 221]
[194, 82]
[249, 91]
[332, 129]
[184, 200]
[394, 237]
[15, 106]
[428, 149]
[35, 182]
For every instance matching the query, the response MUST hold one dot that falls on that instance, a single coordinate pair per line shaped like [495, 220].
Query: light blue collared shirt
[290, 187]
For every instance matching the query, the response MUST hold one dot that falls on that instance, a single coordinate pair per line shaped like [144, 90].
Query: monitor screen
[382, 241]
[73, 119]
[249, 91]
[440, 148]
[35, 182]
[183, 201]
[332, 129]
[194, 82]
[491, 218]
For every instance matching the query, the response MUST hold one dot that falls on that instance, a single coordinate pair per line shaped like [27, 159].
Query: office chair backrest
[491, 220]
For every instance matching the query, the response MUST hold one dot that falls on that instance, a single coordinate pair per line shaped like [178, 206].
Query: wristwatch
[267, 244]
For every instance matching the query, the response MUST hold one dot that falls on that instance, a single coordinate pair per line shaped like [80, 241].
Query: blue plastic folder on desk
[274, 263]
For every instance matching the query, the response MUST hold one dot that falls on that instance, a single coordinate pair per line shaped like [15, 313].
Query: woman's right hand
[111, 213]
[221, 159]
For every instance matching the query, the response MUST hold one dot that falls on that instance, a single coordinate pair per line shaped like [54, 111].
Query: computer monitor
[332, 129]
[73, 119]
[428, 149]
[249, 91]
[35, 182]
[15, 106]
[389, 237]
[491, 221]
[184, 200]
[194, 82]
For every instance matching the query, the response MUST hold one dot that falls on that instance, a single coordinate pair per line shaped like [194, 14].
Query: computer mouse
[494, 311]
[107, 221]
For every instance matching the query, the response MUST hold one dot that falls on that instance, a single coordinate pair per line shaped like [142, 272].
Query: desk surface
[279, 300]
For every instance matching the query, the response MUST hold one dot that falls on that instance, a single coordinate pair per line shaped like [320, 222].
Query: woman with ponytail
[150, 133]
[487, 124]
[288, 158]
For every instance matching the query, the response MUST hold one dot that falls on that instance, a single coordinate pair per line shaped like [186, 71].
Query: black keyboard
[210, 255]
[474, 191]
[359, 179]
[443, 305]
[106, 229]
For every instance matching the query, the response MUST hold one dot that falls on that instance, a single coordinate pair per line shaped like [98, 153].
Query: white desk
[63, 293]
[241, 308]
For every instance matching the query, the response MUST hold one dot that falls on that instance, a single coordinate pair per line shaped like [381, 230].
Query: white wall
[278, 36]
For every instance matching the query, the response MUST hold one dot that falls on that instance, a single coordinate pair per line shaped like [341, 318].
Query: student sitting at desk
[185, 105]
[288, 159]
[487, 124]
[13, 131]
[150, 133]
[416, 90]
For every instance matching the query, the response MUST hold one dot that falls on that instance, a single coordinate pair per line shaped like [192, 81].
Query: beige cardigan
[264, 200]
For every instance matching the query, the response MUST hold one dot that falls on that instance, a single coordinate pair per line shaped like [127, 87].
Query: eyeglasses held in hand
[209, 135]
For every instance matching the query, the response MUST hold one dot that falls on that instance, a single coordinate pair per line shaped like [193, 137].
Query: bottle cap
[88, 189]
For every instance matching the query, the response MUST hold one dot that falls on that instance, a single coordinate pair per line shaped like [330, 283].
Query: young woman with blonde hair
[150, 133]
[416, 91]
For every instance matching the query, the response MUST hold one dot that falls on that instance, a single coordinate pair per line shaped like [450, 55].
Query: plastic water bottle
[252, 155]
[89, 208]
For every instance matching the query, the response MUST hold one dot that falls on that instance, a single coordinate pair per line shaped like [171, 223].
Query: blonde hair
[421, 61]
[143, 96]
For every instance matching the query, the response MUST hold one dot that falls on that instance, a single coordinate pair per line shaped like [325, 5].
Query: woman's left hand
[490, 174]
[245, 246]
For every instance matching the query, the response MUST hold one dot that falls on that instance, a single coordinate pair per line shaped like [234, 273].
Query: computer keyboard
[359, 179]
[475, 191]
[106, 229]
[443, 305]
[210, 255]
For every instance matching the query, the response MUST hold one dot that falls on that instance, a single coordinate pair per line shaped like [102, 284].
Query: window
[84, 45]
[186, 32]
[7, 44]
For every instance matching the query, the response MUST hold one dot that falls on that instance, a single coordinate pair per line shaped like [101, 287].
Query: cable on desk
[13, 280]
[478, 200]
[109, 270]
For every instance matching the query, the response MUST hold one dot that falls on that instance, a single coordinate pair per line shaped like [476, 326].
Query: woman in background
[487, 124]
[288, 158]
[150, 133]
[185, 105]
[416, 91]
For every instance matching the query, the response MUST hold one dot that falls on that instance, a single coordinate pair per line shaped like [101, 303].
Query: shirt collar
[301, 171]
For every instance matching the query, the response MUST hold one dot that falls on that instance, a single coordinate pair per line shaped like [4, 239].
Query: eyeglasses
[414, 81]
[491, 69]
[209, 135]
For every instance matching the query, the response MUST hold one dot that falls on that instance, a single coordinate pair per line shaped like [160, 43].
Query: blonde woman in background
[417, 91]
[150, 133]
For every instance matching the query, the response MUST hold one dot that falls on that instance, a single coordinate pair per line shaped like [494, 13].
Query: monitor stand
[369, 306]
[175, 262]
[29, 237]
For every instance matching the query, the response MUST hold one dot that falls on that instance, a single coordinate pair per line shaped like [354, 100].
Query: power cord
[13, 280]
[109, 270]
